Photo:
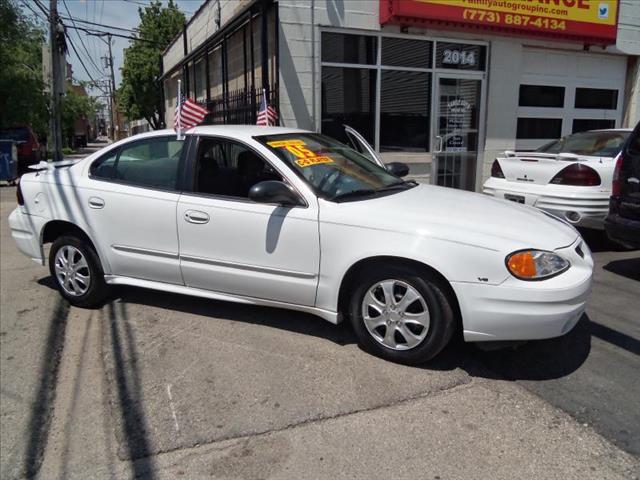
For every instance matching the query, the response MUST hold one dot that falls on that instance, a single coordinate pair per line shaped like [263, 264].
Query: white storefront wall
[511, 61]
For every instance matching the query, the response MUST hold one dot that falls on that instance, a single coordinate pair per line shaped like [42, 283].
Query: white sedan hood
[456, 215]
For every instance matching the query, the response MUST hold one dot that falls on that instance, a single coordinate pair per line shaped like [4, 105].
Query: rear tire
[401, 314]
[77, 272]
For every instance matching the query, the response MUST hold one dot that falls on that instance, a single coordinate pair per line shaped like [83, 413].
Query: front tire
[401, 314]
[77, 272]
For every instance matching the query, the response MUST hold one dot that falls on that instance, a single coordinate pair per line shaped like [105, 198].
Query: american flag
[188, 113]
[267, 115]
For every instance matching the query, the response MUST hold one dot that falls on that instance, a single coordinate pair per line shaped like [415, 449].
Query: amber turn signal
[535, 264]
[522, 265]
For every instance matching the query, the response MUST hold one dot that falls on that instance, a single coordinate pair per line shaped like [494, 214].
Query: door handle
[439, 140]
[95, 202]
[196, 216]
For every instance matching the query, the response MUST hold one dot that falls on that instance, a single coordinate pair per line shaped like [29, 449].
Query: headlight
[535, 264]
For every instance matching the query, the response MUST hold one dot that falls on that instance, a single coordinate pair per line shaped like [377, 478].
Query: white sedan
[570, 178]
[293, 219]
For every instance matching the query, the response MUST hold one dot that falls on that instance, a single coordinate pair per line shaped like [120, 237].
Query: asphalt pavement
[155, 385]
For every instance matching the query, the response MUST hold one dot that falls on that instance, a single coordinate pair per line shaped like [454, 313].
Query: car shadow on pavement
[297, 322]
[535, 360]
[532, 360]
[629, 268]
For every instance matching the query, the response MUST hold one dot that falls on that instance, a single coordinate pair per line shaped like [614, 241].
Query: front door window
[458, 114]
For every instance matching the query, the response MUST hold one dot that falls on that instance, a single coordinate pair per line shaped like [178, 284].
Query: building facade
[444, 85]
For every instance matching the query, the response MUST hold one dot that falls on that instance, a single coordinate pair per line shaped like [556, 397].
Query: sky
[119, 13]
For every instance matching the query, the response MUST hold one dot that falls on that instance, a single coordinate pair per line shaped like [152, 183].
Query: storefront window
[200, 81]
[402, 52]
[600, 98]
[402, 100]
[235, 61]
[348, 98]
[215, 72]
[344, 48]
[539, 128]
[404, 111]
[582, 125]
[541, 96]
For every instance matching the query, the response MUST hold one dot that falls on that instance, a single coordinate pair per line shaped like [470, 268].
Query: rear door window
[153, 162]
[104, 167]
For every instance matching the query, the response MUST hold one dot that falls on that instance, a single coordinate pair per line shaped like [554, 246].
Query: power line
[43, 9]
[37, 14]
[99, 33]
[98, 24]
[95, 40]
[82, 63]
[97, 69]
[137, 2]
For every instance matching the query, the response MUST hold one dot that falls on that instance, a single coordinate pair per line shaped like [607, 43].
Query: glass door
[456, 131]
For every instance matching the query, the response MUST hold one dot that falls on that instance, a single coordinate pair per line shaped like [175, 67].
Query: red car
[27, 143]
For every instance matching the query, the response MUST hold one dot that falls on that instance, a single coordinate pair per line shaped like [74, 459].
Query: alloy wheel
[396, 314]
[72, 271]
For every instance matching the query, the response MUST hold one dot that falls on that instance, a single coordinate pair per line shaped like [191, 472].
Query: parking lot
[156, 385]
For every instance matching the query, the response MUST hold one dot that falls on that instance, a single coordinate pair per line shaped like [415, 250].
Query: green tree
[22, 100]
[140, 95]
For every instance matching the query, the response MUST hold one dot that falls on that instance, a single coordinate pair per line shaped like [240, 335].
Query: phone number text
[513, 19]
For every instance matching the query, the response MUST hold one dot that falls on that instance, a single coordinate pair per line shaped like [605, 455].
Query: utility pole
[113, 88]
[57, 79]
[112, 83]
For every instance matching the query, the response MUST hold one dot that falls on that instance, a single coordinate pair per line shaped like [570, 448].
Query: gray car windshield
[596, 144]
[333, 170]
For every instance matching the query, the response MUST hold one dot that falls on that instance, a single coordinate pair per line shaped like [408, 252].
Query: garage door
[567, 92]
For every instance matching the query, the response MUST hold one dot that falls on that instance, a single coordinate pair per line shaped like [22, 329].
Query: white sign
[458, 57]
[458, 105]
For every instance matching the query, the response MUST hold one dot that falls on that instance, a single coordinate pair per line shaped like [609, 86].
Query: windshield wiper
[401, 185]
[397, 185]
[353, 193]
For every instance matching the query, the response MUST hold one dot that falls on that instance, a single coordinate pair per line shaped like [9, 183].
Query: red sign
[588, 21]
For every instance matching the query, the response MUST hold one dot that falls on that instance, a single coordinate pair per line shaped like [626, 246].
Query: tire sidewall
[440, 313]
[97, 287]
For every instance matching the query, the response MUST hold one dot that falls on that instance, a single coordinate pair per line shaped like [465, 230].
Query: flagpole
[179, 130]
[266, 106]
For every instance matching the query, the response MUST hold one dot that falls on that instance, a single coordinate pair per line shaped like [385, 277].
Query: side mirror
[398, 169]
[272, 191]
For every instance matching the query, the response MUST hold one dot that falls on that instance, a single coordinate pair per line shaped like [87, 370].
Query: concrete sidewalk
[457, 429]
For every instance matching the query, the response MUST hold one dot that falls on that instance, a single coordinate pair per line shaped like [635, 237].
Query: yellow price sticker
[305, 157]
[308, 162]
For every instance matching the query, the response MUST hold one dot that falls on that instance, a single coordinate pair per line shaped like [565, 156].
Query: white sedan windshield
[331, 168]
[596, 144]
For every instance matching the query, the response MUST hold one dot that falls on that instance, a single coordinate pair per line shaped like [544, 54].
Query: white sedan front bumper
[528, 310]
[581, 206]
